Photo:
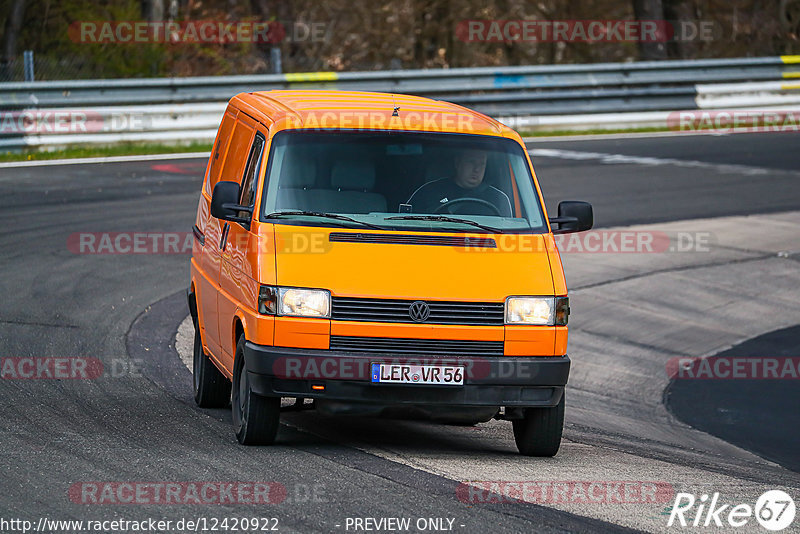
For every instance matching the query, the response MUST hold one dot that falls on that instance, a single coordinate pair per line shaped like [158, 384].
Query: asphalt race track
[752, 414]
[638, 182]
[136, 422]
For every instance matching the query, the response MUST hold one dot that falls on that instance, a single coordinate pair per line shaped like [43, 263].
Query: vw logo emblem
[419, 311]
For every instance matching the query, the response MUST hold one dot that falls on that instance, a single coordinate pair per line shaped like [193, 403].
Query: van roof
[364, 110]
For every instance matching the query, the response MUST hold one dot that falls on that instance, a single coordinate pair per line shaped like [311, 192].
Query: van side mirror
[573, 216]
[225, 203]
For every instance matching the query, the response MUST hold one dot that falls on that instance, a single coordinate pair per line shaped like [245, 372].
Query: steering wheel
[463, 200]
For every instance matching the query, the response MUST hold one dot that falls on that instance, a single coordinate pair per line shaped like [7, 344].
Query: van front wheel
[255, 418]
[538, 433]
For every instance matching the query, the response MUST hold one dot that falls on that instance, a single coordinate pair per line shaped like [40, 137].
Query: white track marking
[623, 159]
[620, 135]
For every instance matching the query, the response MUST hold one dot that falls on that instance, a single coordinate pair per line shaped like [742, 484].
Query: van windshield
[401, 180]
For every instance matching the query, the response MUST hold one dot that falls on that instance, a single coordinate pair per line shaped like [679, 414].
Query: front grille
[396, 311]
[431, 347]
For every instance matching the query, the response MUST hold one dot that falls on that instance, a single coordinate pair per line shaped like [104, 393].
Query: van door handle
[199, 235]
[224, 241]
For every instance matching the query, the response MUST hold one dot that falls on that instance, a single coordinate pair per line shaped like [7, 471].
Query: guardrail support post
[275, 60]
[28, 65]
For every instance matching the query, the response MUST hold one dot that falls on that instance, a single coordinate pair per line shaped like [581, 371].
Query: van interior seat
[296, 185]
[354, 183]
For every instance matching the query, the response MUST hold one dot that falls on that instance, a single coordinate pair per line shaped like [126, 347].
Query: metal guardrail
[500, 85]
[529, 91]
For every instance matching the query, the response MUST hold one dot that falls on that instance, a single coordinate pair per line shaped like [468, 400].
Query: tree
[13, 25]
[790, 20]
[153, 10]
[269, 10]
[650, 10]
[679, 12]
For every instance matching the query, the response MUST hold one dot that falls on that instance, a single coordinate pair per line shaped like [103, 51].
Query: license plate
[396, 373]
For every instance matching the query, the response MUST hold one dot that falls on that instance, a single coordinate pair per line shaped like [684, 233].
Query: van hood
[412, 265]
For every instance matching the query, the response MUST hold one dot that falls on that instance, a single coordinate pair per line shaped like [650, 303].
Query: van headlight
[543, 311]
[304, 302]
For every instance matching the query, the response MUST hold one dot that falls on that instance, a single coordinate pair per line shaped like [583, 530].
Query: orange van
[378, 254]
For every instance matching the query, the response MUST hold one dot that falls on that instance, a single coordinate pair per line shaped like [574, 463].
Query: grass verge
[124, 149]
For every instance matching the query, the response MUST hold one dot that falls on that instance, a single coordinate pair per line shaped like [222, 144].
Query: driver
[467, 183]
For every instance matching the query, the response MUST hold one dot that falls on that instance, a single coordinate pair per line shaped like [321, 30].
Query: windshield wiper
[336, 216]
[443, 218]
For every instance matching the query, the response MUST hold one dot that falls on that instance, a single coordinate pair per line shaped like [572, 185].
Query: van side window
[220, 148]
[250, 178]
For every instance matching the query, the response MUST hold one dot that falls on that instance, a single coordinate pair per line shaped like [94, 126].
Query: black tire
[211, 388]
[255, 418]
[539, 432]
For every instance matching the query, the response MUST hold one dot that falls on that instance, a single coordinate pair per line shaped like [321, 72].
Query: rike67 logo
[774, 510]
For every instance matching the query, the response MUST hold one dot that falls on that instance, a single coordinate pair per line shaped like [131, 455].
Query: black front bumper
[489, 381]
